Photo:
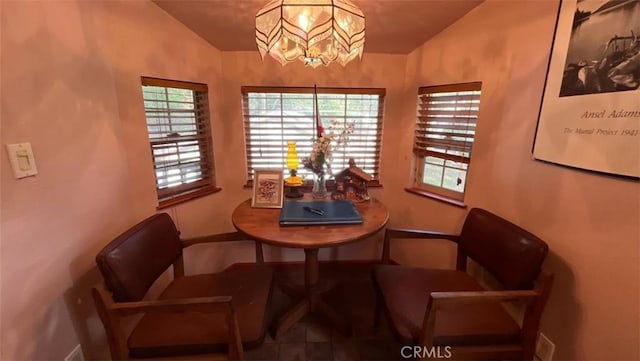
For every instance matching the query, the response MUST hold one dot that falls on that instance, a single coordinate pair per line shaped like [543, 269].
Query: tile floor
[312, 339]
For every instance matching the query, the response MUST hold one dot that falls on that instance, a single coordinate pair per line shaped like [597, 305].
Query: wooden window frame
[436, 140]
[380, 92]
[204, 183]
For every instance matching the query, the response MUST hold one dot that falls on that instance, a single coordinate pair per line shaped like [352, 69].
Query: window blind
[274, 116]
[446, 121]
[177, 116]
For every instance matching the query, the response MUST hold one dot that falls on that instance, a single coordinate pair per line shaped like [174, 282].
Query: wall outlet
[544, 348]
[75, 354]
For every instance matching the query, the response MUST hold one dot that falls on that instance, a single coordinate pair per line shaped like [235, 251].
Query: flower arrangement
[325, 144]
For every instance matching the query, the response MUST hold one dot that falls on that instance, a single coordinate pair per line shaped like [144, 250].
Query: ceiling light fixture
[313, 31]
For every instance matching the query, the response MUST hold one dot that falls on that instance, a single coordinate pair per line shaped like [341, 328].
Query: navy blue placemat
[293, 213]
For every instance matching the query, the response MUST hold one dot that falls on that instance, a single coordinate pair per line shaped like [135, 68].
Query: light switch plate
[22, 160]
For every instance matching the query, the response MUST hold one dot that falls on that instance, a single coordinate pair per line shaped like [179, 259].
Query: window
[274, 116]
[177, 116]
[445, 128]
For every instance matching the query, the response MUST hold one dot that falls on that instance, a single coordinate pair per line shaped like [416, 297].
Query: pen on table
[314, 211]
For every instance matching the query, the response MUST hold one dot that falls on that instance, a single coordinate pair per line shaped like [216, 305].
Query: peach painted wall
[70, 82]
[590, 221]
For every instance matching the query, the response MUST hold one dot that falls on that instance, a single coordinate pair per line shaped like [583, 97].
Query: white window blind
[444, 134]
[274, 116]
[177, 116]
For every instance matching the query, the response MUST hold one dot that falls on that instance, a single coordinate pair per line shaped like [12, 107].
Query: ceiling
[393, 26]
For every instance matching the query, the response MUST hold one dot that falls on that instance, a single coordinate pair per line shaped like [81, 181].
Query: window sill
[185, 197]
[437, 197]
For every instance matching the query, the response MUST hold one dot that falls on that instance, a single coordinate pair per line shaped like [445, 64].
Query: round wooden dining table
[262, 225]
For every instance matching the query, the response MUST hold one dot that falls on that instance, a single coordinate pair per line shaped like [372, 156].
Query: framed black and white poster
[590, 112]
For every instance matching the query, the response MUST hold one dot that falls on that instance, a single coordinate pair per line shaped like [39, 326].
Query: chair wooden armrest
[220, 304]
[215, 238]
[533, 299]
[391, 233]
[452, 299]
[224, 237]
[110, 312]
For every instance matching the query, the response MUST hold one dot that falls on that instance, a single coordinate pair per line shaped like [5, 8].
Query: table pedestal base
[310, 299]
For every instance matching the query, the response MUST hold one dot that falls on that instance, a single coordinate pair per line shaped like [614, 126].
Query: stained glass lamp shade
[312, 31]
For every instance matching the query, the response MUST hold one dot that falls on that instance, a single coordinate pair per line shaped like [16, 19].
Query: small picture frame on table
[267, 188]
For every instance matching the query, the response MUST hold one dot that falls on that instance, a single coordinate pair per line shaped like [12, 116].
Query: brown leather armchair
[194, 314]
[449, 311]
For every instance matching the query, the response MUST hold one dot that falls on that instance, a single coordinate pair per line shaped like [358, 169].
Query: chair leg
[379, 304]
[111, 323]
[235, 342]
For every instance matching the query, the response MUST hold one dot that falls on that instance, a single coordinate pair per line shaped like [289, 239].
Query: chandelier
[312, 31]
